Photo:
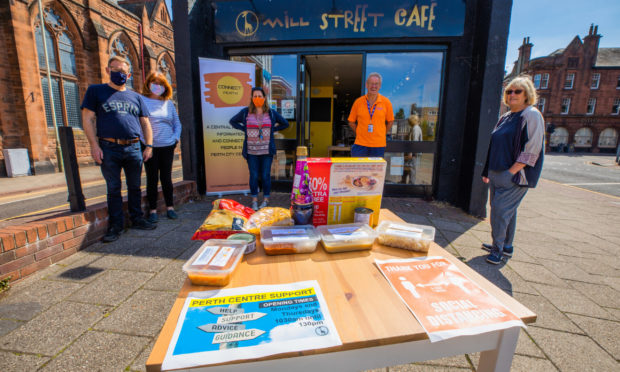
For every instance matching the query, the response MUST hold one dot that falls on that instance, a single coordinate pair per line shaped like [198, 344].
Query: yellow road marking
[123, 192]
[581, 188]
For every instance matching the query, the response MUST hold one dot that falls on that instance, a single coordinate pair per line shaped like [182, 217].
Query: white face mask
[157, 89]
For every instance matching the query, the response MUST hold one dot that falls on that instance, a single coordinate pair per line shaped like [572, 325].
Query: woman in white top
[166, 134]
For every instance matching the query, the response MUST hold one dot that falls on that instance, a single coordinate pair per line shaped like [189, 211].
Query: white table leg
[500, 359]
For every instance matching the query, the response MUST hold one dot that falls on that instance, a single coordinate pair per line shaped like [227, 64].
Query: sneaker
[494, 258]
[263, 204]
[507, 251]
[153, 218]
[142, 224]
[255, 205]
[171, 214]
[112, 235]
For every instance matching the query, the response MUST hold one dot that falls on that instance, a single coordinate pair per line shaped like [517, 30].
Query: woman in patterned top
[514, 163]
[166, 134]
[259, 123]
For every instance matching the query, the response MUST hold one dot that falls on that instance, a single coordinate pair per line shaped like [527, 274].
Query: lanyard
[371, 113]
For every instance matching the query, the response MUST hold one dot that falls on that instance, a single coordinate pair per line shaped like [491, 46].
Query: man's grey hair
[376, 74]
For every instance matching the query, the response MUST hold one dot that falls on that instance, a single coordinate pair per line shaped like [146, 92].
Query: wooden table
[375, 326]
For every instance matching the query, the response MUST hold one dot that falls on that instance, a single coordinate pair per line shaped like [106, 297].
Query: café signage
[273, 20]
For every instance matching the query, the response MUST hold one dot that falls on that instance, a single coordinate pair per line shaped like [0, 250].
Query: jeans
[358, 151]
[129, 159]
[159, 167]
[505, 197]
[260, 167]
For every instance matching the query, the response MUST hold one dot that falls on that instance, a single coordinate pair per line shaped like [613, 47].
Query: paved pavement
[102, 308]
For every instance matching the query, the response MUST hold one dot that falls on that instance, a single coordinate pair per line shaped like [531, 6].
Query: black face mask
[118, 77]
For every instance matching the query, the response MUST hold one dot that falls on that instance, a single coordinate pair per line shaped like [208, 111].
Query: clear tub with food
[347, 237]
[406, 235]
[215, 261]
[289, 239]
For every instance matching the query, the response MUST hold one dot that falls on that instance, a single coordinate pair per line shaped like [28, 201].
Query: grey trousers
[505, 197]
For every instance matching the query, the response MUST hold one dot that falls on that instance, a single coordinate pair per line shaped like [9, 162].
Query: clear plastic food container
[406, 235]
[289, 239]
[215, 261]
[347, 237]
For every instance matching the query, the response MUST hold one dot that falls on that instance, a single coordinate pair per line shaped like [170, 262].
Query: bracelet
[151, 146]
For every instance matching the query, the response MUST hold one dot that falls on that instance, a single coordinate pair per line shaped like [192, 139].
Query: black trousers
[159, 167]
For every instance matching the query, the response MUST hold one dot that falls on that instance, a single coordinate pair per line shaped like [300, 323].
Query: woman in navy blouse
[514, 163]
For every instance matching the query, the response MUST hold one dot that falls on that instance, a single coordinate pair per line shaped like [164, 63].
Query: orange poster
[445, 302]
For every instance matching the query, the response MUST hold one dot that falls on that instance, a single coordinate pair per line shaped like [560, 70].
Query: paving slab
[571, 352]
[602, 294]
[170, 278]
[18, 362]
[8, 325]
[420, 367]
[572, 301]
[54, 329]
[570, 271]
[447, 225]
[151, 264]
[548, 316]
[535, 273]
[99, 351]
[143, 314]
[606, 333]
[26, 302]
[139, 364]
[111, 288]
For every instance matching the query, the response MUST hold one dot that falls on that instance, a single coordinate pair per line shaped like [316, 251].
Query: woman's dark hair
[251, 107]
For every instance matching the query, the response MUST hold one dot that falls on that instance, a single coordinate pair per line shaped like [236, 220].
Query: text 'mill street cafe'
[441, 62]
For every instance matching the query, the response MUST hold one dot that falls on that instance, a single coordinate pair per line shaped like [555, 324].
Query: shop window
[583, 137]
[591, 106]
[544, 82]
[541, 104]
[608, 138]
[618, 83]
[596, 79]
[411, 81]
[61, 61]
[537, 81]
[559, 138]
[568, 82]
[565, 106]
[615, 109]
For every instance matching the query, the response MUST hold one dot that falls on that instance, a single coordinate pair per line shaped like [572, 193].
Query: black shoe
[153, 218]
[112, 235]
[142, 224]
[171, 214]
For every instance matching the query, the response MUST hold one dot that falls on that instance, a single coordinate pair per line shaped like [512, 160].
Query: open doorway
[334, 82]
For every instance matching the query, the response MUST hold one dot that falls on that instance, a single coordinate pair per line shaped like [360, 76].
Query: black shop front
[441, 61]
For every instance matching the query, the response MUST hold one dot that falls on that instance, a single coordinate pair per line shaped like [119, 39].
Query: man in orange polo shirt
[371, 118]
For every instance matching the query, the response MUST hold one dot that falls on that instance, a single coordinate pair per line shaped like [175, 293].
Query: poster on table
[445, 302]
[250, 322]
[226, 88]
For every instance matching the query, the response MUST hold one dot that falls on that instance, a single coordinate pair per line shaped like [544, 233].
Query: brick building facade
[579, 90]
[80, 36]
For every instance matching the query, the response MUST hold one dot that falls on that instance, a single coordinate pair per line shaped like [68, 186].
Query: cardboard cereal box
[340, 185]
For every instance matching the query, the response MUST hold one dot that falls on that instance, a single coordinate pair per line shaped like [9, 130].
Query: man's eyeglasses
[516, 91]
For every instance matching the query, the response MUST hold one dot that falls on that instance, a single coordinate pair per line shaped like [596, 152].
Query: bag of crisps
[269, 216]
[227, 217]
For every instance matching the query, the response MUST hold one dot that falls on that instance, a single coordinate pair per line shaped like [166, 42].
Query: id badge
[370, 127]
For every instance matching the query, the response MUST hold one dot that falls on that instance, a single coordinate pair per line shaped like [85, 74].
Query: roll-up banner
[226, 88]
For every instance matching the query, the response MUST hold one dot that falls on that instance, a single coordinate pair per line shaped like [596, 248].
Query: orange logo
[228, 89]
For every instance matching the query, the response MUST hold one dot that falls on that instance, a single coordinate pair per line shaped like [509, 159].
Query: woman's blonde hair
[524, 82]
[159, 78]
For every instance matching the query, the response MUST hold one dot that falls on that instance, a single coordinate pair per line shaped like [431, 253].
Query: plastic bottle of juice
[302, 206]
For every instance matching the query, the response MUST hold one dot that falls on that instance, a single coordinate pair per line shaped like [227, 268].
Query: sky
[552, 24]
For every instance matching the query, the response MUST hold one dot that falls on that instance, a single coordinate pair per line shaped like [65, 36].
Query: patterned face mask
[157, 89]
